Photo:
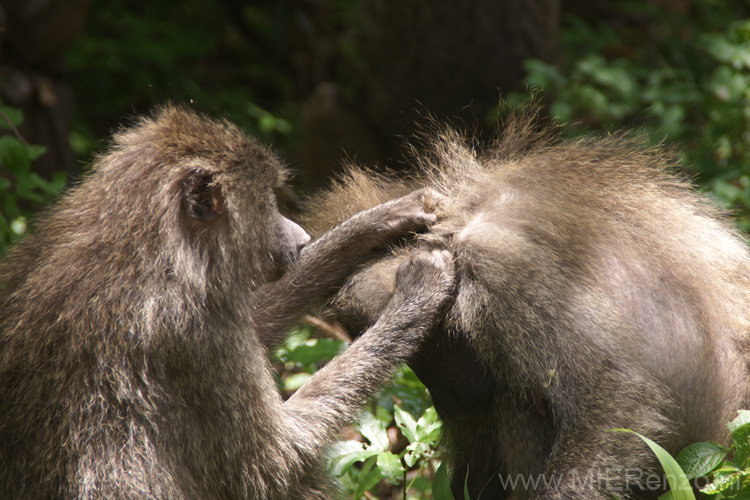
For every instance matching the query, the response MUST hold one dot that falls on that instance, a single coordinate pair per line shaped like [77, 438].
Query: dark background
[328, 80]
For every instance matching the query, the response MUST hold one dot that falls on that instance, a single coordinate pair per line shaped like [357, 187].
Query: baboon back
[596, 290]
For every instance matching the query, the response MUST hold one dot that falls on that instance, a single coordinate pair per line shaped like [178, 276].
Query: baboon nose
[303, 241]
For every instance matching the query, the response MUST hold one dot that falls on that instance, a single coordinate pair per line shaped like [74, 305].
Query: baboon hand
[411, 213]
[424, 285]
[355, 240]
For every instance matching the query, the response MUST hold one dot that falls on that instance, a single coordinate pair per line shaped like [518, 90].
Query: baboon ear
[202, 198]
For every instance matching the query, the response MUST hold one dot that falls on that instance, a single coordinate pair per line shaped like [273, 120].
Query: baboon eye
[203, 200]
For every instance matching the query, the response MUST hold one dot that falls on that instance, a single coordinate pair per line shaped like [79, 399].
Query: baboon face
[216, 201]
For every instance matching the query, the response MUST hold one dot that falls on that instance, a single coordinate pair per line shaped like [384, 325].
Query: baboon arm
[326, 263]
[334, 396]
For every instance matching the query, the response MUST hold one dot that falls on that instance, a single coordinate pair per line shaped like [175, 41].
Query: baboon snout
[291, 238]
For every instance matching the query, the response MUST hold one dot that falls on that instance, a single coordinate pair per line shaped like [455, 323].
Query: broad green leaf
[47, 187]
[678, 482]
[10, 206]
[295, 381]
[390, 466]
[374, 430]
[14, 115]
[296, 338]
[26, 188]
[429, 426]
[699, 459]
[368, 477]
[14, 157]
[343, 454]
[35, 151]
[416, 451]
[406, 423]
[722, 482]
[315, 351]
[441, 484]
[740, 429]
[743, 494]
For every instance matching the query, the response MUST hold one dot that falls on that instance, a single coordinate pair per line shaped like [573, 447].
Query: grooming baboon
[134, 325]
[595, 290]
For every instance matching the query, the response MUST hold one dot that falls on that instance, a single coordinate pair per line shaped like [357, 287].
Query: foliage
[136, 54]
[378, 457]
[378, 454]
[301, 355]
[680, 488]
[690, 86]
[21, 190]
[717, 471]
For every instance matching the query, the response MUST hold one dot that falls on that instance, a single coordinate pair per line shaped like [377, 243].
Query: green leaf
[314, 351]
[391, 467]
[374, 430]
[35, 151]
[719, 48]
[10, 206]
[742, 494]
[4, 233]
[15, 116]
[343, 454]
[722, 482]
[416, 451]
[13, 156]
[441, 485]
[295, 381]
[740, 430]
[296, 338]
[678, 482]
[47, 187]
[699, 459]
[368, 478]
[429, 426]
[406, 423]
[59, 179]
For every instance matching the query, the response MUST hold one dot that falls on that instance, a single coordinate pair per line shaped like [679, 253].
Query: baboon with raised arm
[135, 325]
[595, 290]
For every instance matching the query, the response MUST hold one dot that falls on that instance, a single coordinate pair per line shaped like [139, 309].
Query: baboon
[596, 290]
[135, 324]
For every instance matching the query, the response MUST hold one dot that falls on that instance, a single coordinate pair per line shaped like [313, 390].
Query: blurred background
[328, 81]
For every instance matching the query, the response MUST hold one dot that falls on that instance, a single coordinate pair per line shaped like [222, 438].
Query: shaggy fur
[596, 290]
[135, 323]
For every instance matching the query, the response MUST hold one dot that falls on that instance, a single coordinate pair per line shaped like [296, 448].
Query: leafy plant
[720, 472]
[717, 471]
[679, 485]
[379, 461]
[691, 88]
[21, 190]
[372, 462]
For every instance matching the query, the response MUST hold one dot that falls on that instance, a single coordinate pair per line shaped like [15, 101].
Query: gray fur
[596, 290]
[135, 324]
